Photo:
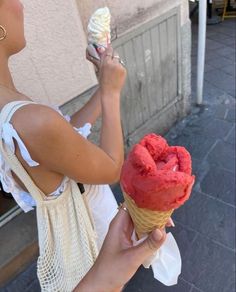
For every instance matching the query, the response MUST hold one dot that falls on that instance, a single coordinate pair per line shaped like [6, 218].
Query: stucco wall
[52, 68]
[126, 16]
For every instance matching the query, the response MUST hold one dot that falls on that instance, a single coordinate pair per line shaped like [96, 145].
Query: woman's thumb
[151, 244]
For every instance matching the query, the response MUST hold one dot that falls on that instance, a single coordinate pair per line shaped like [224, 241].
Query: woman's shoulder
[38, 122]
[36, 116]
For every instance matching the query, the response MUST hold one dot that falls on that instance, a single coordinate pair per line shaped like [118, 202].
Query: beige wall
[52, 68]
[126, 16]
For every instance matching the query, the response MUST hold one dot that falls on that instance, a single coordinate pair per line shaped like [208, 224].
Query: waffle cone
[145, 220]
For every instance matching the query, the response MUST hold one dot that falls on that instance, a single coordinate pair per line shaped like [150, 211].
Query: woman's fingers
[150, 245]
[93, 59]
[170, 223]
[122, 220]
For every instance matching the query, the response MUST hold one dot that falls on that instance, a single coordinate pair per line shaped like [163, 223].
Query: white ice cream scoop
[99, 31]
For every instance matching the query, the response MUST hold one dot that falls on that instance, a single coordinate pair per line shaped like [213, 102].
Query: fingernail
[101, 50]
[172, 222]
[157, 235]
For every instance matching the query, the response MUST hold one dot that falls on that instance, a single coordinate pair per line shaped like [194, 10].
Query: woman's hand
[112, 74]
[119, 259]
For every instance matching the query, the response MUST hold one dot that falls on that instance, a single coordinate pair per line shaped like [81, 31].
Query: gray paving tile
[213, 35]
[209, 217]
[231, 137]
[217, 61]
[211, 92]
[229, 69]
[228, 31]
[195, 165]
[209, 266]
[223, 155]
[225, 189]
[221, 80]
[117, 193]
[210, 128]
[34, 287]
[143, 281]
[194, 289]
[231, 115]
[25, 280]
[230, 42]
[221, 111]
[197, 145]
[185, 239]
[213, 45]
[227, 52]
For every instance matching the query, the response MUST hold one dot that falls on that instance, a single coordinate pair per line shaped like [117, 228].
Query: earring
[3, 34]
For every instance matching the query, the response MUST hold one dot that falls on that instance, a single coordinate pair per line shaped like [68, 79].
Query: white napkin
[166, 263]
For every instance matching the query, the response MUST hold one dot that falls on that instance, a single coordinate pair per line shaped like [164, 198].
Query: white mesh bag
[67, 243]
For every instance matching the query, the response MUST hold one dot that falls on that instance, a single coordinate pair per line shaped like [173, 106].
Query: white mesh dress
[71, 226]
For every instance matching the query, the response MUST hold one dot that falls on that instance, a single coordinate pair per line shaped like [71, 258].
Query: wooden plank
[133, 104]
[164, 61]
[141, 28]
[157, 80]
[125, 95]
[172, 57]
[141, 77]
[149, 69]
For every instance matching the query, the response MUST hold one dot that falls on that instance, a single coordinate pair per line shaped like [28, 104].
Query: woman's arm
[89, 112]
[54, 143]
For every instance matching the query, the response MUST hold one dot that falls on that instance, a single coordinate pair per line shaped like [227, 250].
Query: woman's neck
[5, 75]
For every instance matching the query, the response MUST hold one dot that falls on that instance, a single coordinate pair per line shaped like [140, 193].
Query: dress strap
[6, 113]
[10, 108]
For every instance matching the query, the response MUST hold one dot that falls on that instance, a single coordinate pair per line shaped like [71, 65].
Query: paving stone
[211, 92]
[195, 165]
[229, 42]
[24, 281]
[231, 137]
[144, 281]
[231, 115]
[229, 69]
[218, 62]
[224, 39]
[197, 145]
[117, 193]
[209, 217]
[228, 31]
[225, 190]
[221, 80]
[221, 111]
[227, 52]
[213, 45]
[209, 266]
[210, 128]
[194, 289]
[184, 237]
[35, 287]
[223, 155]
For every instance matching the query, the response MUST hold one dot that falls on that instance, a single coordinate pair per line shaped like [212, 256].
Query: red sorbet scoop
[156, 176]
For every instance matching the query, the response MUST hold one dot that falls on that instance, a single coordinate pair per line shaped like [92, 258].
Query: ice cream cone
[145, 221]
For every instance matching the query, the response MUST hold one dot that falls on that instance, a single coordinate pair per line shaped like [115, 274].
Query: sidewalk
[205, 226]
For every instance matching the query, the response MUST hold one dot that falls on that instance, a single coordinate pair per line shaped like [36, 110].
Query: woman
[49, 149]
